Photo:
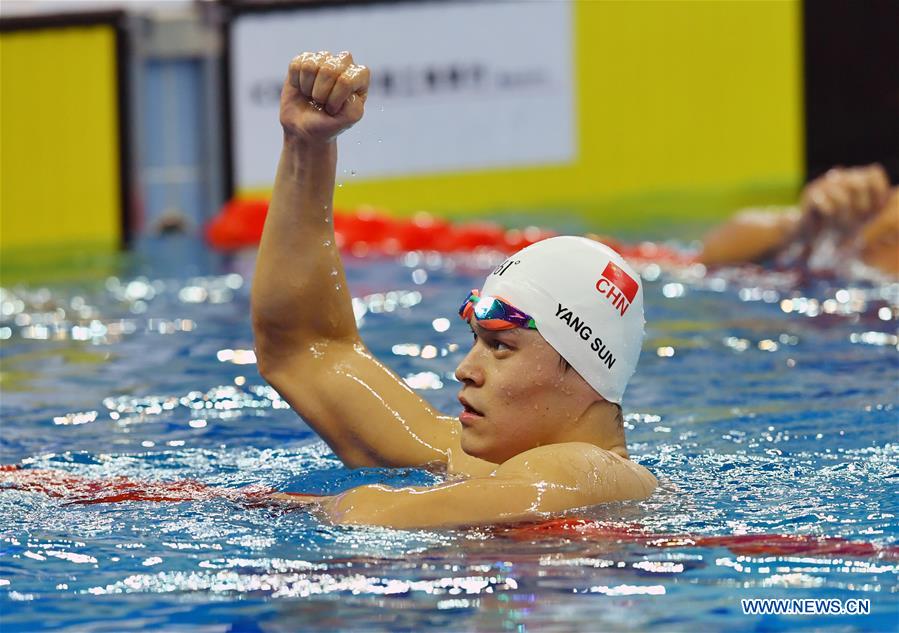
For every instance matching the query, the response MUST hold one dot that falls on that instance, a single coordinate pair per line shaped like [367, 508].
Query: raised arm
[307, 343]
[299, 292]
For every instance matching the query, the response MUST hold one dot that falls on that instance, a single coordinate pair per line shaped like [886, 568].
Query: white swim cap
[586, 301]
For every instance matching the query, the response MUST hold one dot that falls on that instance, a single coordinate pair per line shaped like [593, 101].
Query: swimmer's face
[518, 394]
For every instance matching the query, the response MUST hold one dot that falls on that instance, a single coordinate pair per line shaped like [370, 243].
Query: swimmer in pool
[847, 215]
[557, 331]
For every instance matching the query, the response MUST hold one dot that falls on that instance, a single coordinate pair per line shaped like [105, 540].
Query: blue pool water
[761, 406]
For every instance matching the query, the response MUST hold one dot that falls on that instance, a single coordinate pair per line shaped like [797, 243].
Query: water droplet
[353, 172]
[379, 140]
[326, 243]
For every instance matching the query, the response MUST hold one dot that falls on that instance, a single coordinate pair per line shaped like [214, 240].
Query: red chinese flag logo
[622, 280]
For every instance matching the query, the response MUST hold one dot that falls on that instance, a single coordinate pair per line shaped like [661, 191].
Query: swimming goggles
[493, 313]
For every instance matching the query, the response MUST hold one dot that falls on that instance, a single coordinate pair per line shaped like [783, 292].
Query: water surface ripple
[763, 407]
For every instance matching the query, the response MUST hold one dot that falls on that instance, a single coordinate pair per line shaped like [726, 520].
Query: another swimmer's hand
[878, 240]
[323, 95]
[296, 498]
[843, 198]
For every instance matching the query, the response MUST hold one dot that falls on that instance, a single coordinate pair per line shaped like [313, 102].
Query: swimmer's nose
[469, 371]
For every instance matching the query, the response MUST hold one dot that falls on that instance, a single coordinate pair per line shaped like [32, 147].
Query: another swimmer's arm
[530, 486]
[749, 236]
[837, 203]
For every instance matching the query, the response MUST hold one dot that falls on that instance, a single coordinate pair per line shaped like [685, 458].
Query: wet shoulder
[596, 474]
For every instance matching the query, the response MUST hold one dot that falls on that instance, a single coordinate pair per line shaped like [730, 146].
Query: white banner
[456, 86]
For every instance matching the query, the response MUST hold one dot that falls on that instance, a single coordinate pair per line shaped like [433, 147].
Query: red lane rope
[742, 544]
[82, 491]
[368, 231]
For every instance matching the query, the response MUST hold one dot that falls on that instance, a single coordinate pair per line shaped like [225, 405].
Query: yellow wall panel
[685, 110]
[59, 145]
[690, 93]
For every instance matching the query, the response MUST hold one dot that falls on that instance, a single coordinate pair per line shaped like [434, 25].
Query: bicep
[363, 411]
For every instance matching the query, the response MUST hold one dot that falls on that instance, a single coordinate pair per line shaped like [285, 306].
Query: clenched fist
[322, 96]
[844, 198]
